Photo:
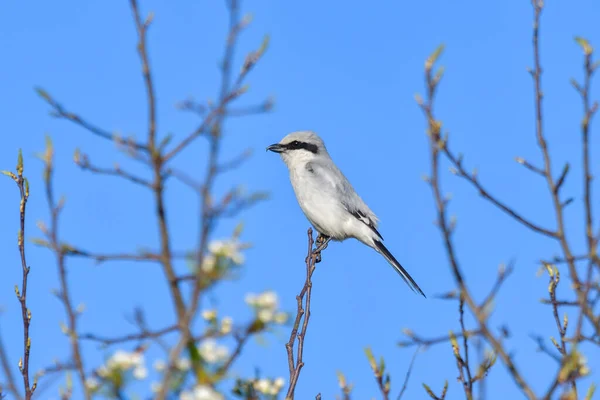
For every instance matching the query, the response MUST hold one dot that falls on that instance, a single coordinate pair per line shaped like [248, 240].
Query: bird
[327, 198]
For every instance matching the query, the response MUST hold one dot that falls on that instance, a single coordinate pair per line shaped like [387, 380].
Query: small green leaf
[585, 45]
[43, 94]
[20, 163]
[9, 174]
[264, 45]
[434, 56]
[165, 141]
[429, 391]
[371, 358]
[590, 392]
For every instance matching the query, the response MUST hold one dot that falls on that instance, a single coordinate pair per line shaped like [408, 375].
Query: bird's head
[301, 146]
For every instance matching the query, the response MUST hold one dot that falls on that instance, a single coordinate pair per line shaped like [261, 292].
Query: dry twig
[303, 310]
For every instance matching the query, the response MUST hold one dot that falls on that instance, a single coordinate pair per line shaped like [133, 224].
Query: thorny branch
[303, 310]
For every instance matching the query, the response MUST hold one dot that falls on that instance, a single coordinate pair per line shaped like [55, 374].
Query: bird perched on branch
[327, 198]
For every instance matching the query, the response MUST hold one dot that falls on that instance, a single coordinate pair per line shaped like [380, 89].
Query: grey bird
[328, 200]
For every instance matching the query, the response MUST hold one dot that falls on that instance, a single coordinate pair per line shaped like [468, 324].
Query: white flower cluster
[226, 322]
[266, 305]
[269, 387]
[230, 249]
[201, 392]
[123, 361]
[183, 364]
[213, 353]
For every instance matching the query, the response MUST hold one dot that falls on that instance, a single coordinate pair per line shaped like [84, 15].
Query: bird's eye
[295, 143]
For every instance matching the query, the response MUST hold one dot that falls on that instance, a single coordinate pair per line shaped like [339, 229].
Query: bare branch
[83, 162]
[408, 372]
[474, 180]
[422, 342]
[145, 334]
[59, 252]
[101, 257]
[60, 112]
[11, 382]
[438, 144]
[530, 166]
[303, 310]
[142, 29]
[23, 186]
[503, 273]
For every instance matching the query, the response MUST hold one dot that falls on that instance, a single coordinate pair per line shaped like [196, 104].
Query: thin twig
[421, 342]
[438, 144]
[108, 341]
[84, 163]
[468, 380]
[474, 180]
[23, 186]
[240, 343]
[100, 258]
[10, 381]
[589, 112]
[60, 112]
[213, 125]
[303, 310]
[59, 251]
[503, 273]
[408, 372]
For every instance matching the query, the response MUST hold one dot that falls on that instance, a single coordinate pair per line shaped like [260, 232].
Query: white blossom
[266, 315]
[226, 325]
[278, 383]
[140, 372]
[123, 361]
[208, 264]
[266, 305]
[209, 315]
[92, 383]
[268, 299]
[183, 364]
[262, 385]
[228, 249]
[269, 387]
[103, 371]
[213, 353]
[201, 392]
[281, 317]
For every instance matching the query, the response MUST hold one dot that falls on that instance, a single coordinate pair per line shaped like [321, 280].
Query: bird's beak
[276, 148]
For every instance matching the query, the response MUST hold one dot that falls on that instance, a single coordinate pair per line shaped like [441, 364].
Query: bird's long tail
[394, 263]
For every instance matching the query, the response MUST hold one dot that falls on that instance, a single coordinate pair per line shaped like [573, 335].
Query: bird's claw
[321, 239]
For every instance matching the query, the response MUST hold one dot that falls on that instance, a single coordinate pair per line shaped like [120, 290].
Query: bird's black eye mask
[297, 145]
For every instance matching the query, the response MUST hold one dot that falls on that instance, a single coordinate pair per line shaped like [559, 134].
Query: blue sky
[349, 73]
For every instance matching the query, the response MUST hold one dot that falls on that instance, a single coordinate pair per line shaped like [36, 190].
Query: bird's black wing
[362, 217]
